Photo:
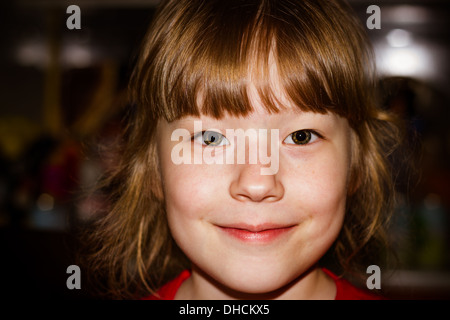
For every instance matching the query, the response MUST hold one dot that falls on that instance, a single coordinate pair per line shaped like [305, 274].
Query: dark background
[63, 93]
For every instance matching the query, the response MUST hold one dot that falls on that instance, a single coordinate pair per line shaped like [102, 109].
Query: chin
[255, 282]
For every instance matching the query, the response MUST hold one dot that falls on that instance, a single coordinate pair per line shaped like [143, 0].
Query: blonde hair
[214, 48]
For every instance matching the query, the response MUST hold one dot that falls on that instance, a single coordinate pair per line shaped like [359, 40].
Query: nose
[251, 185]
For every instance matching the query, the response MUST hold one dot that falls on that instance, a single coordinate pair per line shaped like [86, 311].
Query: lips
[263, 233]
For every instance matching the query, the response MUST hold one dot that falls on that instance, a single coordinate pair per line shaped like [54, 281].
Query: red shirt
[344, 289]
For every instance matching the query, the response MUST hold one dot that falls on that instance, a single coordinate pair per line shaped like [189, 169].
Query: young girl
[300, 75]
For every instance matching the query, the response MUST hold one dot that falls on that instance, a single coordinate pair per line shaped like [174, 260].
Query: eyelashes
[302, 137]
[210, 138]
[216, 139]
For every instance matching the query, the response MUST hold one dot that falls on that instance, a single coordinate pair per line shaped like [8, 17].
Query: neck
[313, 284]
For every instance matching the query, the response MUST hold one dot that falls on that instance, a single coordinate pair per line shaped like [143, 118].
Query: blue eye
[211, 138]
[301, 137]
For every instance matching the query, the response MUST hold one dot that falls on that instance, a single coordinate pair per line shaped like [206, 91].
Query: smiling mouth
[257, 234]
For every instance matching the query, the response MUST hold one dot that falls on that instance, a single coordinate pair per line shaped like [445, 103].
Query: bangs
[205, 57]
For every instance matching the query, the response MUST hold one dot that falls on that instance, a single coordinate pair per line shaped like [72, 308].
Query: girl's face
[251, 232]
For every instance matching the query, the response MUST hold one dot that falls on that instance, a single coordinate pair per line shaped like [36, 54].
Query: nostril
[257, 192]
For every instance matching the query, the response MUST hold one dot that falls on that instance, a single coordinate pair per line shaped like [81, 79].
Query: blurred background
[62, 95]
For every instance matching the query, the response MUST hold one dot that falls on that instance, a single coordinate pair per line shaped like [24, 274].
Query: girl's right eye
[210, 139]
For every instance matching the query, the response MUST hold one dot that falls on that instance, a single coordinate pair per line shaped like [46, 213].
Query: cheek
[178, 182]
[330, 185]
[320, 181]
[192, 192]
[192, 197]
[181, 185]
[318, 189]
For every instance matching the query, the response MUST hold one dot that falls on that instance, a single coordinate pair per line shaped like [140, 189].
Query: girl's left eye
[211, 138]
[301, 137]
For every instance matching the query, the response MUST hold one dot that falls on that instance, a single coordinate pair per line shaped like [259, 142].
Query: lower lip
[264, 236]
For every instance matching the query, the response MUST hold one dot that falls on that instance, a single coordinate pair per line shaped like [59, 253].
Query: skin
[307, 193]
